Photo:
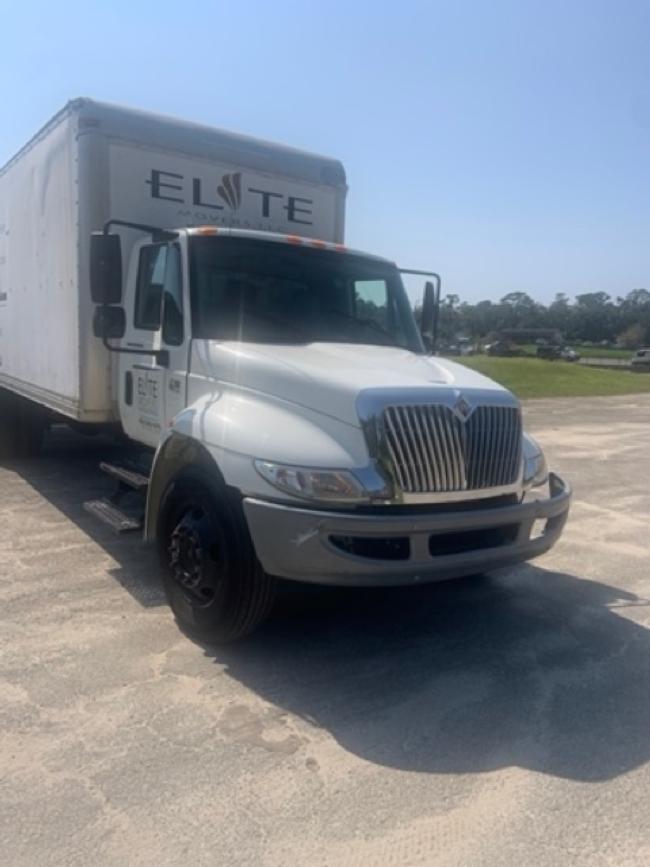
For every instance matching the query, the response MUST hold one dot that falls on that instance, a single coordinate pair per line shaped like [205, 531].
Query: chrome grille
[433, 451]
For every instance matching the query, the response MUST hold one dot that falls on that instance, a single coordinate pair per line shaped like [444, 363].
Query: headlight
[313, 484]
[535, 468]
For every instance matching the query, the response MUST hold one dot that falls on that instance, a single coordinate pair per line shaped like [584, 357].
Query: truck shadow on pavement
[66, 475]
[531, 668]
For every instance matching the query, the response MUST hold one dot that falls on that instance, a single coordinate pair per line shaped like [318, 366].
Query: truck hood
[331, 377]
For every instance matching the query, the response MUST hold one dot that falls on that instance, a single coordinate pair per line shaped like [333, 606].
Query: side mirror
[428, 310]
[109, 322]
[105, 268]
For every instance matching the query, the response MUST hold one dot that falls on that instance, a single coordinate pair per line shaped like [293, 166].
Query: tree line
[591, 317]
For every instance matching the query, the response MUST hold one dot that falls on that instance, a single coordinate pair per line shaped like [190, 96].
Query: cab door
[153, 386]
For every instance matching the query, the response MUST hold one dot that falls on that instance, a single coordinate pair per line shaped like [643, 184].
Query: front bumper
[321, 547]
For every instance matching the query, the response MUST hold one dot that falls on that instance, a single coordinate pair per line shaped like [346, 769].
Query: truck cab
[192, 303]
[302, 430]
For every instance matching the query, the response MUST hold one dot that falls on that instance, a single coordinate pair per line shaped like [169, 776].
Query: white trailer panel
[39, 270]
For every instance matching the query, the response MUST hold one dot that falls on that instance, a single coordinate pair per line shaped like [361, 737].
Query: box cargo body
[95, 162]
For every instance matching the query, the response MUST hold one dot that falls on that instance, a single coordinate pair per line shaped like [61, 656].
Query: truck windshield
[266, 292]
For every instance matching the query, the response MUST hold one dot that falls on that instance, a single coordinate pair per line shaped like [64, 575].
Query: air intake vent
[433, 451]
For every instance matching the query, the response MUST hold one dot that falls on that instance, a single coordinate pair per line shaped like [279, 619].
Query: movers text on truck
[190, 288]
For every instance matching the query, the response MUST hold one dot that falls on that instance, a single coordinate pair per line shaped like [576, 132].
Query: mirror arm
[161, 355]
[156, 232]
[433, 274]
[436, 317]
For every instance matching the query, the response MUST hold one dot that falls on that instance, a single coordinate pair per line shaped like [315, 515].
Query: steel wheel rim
[196, 556]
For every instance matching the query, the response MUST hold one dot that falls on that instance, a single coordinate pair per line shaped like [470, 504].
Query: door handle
[128, 388]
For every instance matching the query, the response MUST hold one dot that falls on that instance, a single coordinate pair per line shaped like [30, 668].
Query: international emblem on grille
[436, 448]
[462, 409]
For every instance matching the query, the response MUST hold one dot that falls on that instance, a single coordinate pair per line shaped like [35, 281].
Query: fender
[258, 425]
[175, 453]
[225, 431]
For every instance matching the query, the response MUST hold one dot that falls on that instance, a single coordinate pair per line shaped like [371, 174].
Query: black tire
[213, 580]
[8, 437]
[32, 429]
[22, 425]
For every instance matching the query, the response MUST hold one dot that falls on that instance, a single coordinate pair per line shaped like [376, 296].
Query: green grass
[533, 377]
[602, 352]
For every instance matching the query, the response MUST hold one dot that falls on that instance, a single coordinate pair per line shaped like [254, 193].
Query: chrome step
[113, 517]
[126, 475]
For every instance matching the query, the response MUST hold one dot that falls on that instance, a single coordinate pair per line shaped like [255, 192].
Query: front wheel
[214, 582]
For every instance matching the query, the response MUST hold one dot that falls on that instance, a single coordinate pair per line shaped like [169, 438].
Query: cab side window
[172, 329]
[149, 289]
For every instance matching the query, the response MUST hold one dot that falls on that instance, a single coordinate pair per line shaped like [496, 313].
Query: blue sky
[505, 144]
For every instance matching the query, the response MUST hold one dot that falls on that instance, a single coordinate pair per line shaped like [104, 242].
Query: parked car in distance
[450, 349]
[549, 352]
[553, 352]
[641, 361]
[504, 349]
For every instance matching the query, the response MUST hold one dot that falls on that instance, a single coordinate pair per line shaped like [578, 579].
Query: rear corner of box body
[39, 326]
[97, 374]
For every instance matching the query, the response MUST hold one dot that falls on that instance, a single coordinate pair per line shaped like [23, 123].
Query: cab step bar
[131, 476]
[113, 516]
[123, 510]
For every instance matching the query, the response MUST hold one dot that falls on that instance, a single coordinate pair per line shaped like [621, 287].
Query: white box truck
[190, 289]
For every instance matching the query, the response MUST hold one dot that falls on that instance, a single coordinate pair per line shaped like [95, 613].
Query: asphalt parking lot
[501, 721]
